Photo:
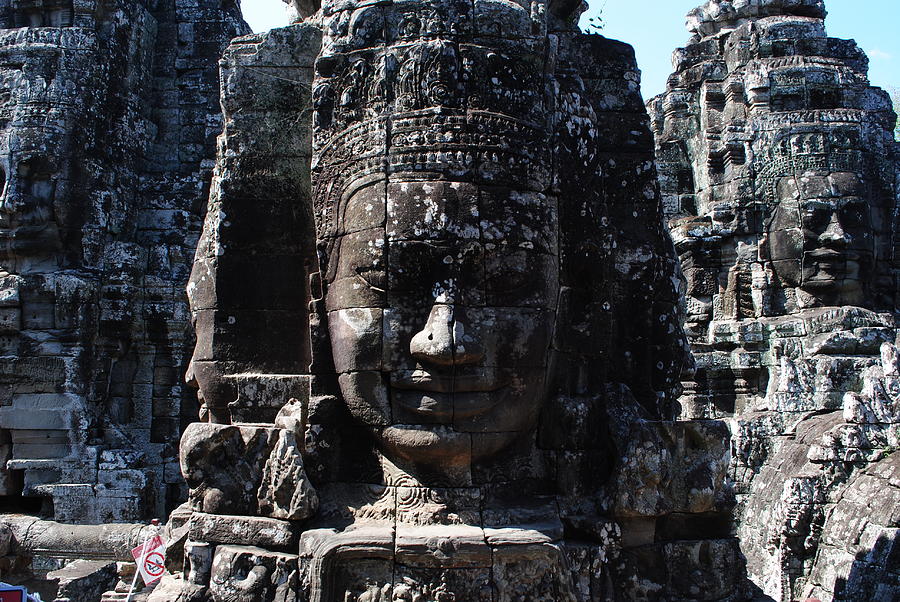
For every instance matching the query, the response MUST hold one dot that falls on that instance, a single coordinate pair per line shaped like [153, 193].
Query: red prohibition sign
[153, 564]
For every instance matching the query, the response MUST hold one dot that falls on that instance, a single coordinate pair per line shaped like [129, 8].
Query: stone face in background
[778, 170]
[109, 115]
[434, 293]
[244, 573]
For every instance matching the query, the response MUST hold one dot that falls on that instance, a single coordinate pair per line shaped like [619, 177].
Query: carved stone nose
[835, 231]
[444, 340]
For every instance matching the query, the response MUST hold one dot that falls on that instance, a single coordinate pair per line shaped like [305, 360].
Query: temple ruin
[418, 300]
[109, 114]
[778, 167]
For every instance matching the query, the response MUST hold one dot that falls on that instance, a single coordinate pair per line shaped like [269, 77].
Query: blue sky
[656, 28]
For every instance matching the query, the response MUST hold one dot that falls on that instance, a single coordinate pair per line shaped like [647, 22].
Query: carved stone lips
[9, 231]
[30, 229]
[27, 223]
[482, 380]
[831, 255]
[830, 258]
[443, 397]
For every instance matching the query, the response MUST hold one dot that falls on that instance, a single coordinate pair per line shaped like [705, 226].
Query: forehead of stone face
[813, 185]
[407, 237]
[435, 210]
[846, 184]
[444, 210]
[32, 148]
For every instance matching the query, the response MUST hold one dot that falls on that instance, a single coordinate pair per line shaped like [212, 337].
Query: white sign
[151, 560]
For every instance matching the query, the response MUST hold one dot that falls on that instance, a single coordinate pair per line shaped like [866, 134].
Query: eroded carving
[777, 160]
[492, 313]
[102, 144]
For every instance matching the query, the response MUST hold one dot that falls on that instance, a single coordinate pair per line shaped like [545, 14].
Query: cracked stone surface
[443, 336]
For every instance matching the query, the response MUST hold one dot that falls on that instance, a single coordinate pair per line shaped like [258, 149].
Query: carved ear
[566, 9]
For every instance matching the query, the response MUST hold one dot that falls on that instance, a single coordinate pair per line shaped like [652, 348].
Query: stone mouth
[832, 255]
[482, 380]
[23, 226]
[440, 407]
[830, 263]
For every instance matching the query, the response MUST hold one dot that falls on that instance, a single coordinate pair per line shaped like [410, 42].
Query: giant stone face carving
[492, 309]
[836, 250]
[774, 168]
[35, 162]
[825, 219]
[441, 315]
[778, 160]
[442, 266]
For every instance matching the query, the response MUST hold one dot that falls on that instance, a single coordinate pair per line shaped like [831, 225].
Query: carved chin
[430, 445]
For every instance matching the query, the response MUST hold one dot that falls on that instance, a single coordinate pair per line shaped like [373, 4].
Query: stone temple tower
[778, 168]
[108, 117]
[438, 346]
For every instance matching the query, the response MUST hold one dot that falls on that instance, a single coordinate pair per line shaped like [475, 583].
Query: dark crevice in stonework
[19, 504]
[14, 501]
